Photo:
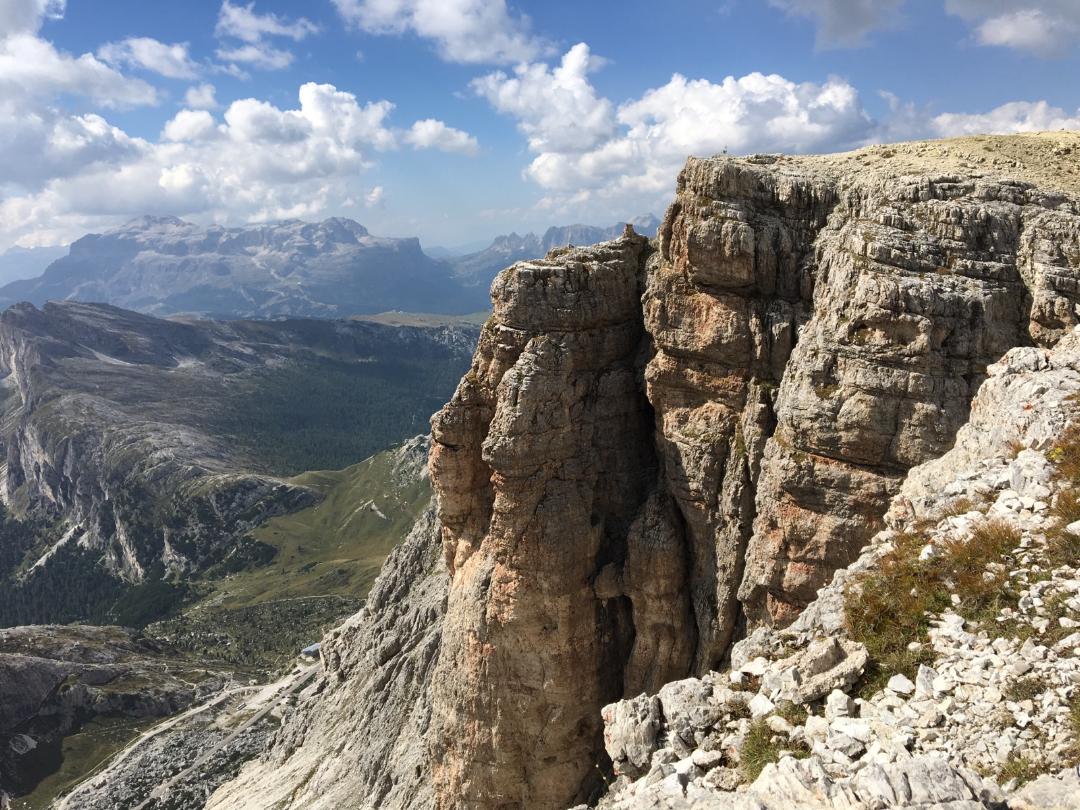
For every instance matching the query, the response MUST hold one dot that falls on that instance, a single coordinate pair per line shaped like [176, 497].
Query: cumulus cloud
[557, 108]
[843, 23]
[1043, 27]
[39, 144]
[1016, 116]
[433, 134]
[255, 162]
[201, 97]
[32, 68]
[585, 147]
[26, 16]
[171, 61]
[254, 32]
[469, 31]
[190, 125]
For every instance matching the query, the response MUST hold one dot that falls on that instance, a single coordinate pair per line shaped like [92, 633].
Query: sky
[456, 120]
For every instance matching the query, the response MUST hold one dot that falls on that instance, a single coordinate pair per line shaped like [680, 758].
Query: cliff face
[661, 447]
[541, 459]
[810, 332]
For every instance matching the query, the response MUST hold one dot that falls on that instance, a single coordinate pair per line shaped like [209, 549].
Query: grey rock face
[810, 329]
[915, 743]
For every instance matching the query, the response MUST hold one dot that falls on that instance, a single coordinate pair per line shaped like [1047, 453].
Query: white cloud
[261, 55]
[557, 108]
[586, 149]
[1043, 27]
[1016, 116]
[26, 16]
[433, 134]
[32, 68]
[243, 23]
[254, 32]
[190, 125]
[469, 31]
[843, 23]
[171, 61]
[39, 144]
[201, 97]
[255, 162]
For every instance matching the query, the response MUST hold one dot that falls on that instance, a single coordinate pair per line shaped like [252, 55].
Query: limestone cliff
[810, 333]
[663, 445]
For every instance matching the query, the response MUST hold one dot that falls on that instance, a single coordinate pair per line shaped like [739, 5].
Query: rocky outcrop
[810, 334]
[912, 741]
[540, 463]
[478, 270]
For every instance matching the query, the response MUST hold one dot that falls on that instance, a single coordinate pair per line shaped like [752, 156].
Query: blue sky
[456, 120]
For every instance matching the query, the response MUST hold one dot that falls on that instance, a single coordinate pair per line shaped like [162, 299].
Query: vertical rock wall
[541, 462]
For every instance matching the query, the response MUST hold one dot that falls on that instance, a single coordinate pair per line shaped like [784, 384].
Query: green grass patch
[888, 609]
[336, 547]
[762, 747]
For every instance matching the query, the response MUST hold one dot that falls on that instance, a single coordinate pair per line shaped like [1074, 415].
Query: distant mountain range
[164, 265]
[478, 269]
[17, 263]
[330, 269]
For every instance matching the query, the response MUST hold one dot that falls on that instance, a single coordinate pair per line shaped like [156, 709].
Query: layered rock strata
[965, 711]
[542, 459]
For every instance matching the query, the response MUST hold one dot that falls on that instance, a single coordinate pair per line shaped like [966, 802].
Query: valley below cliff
[213, 495]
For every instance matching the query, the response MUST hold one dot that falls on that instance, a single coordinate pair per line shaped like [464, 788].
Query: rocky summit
[776, 510]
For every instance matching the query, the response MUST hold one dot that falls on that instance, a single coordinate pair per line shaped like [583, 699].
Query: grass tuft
[889, 609]
[1028, 688]
[762, 747]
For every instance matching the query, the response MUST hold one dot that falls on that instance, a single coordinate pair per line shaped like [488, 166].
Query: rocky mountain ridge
[163, 265]
[330, 269]
[663, 448]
